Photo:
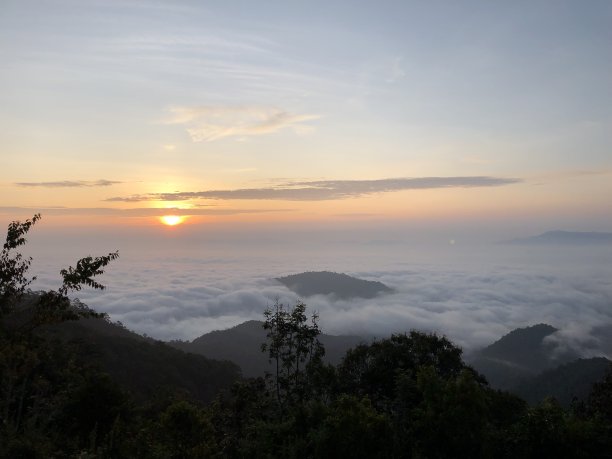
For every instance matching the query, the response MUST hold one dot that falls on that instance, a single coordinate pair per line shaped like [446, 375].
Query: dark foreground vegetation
[411, 395]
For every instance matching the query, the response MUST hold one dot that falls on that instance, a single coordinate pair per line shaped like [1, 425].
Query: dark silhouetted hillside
[519, 355]
[242, 345]
[328, 283]
[523, 346]
[142, 365]
[566, 382]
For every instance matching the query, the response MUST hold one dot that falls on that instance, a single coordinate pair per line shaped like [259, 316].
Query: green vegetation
[62, 393]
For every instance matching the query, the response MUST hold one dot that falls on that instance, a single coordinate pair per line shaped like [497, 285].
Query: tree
[13, 267]
[353, 428]
[20, 310]
[294, 350]
[599, 402]
[373, 369]
[36, 373]
[186, 432]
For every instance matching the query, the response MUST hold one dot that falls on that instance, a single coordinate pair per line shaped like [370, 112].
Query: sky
[288, 129]
[306, 112]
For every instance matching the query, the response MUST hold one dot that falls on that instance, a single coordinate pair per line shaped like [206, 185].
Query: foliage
[353, 425]
[599, 403]
[373, 369]
[40, 383]
[86, 269]
[294, 350]
[186, 432]
[53, 306]
[13, 266]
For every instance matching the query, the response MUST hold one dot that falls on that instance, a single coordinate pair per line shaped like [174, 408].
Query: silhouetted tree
[294, 350]
[353, 428]
[33, 371]
[21, 312]
[599, 402]
[373, 369]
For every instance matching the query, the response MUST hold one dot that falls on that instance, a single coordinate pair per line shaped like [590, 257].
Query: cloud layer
[323, 190]
[473, 304]
[134, 212]
[69, 184]
[209, 123]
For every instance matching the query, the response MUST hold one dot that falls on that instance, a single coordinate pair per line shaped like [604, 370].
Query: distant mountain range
[565, 238]
[242, 345]
[342, 286]
[521, 362]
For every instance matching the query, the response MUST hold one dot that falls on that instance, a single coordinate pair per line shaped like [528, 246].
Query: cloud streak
[326, 190]
[209, 123]
[69, 184]
[134, 212]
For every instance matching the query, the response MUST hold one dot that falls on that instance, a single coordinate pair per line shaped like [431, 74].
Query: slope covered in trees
[565, 383]
[521, 354]
[144, 366]
[241, 344]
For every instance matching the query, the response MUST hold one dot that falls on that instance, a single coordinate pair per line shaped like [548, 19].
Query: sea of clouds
[473, 295]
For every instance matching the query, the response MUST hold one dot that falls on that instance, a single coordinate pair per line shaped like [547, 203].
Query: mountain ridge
[241, 344]
[519, 355]
[567, 382]
[560, 237]
[144, 365]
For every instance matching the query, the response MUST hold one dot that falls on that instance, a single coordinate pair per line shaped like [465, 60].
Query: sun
[172, 220]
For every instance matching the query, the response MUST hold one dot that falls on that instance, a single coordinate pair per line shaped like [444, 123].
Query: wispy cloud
[134, 212]
[69, 184]
[208, 123]
[325, 190]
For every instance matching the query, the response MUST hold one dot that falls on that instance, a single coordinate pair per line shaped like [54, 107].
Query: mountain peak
[330, 283]
[520, 340]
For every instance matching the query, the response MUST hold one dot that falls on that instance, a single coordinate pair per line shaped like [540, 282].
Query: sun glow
[172, 220]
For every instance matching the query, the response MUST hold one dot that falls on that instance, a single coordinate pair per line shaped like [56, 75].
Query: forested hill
[565, 383]
[242, 344]
[340, 285]
[525, 363]
[520, 354]
[142, 365]
[524, 347]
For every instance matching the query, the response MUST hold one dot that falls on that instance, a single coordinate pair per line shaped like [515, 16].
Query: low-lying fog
[175, 287]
